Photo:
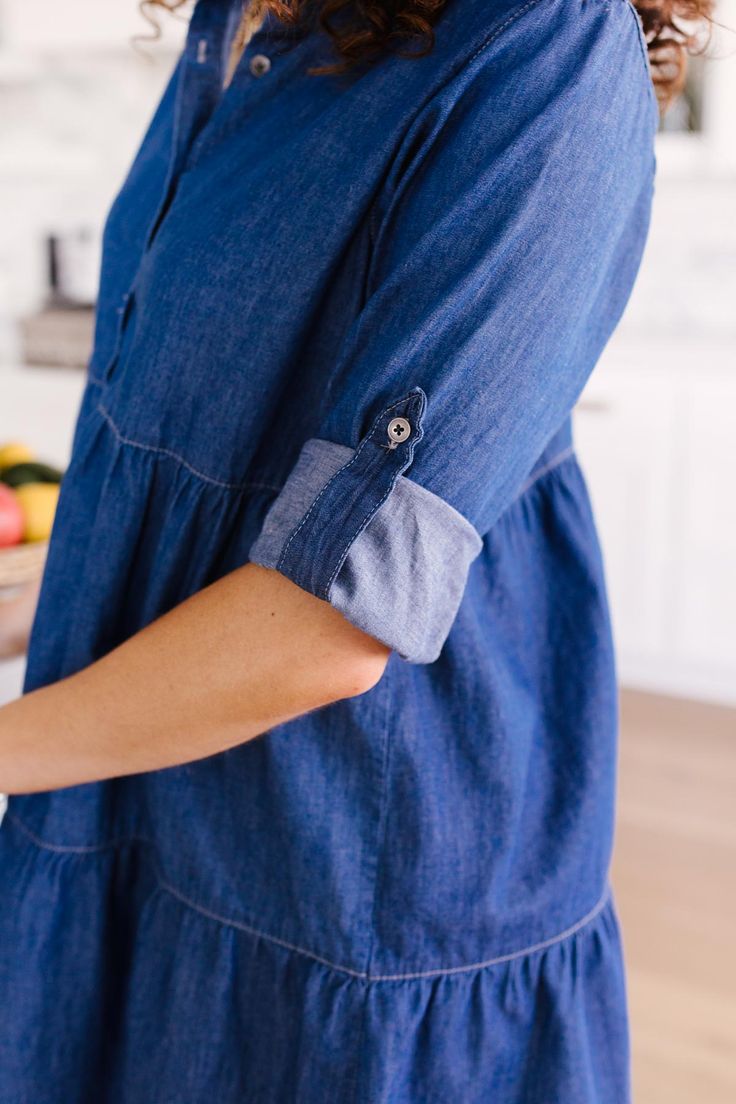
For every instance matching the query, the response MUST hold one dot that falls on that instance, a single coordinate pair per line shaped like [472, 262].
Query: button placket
[197, 95]
[123, 313]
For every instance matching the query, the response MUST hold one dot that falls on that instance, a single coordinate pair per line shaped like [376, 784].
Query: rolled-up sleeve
[506, 242]
[396, 572]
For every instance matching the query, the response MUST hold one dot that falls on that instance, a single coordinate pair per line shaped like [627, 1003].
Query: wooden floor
[675, 882]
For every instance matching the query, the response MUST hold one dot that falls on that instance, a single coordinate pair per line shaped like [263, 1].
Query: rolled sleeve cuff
[400, 577]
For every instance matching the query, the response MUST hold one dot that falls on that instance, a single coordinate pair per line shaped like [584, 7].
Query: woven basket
[22, 563]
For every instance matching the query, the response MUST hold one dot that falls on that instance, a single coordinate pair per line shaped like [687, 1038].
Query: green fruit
[31, 471]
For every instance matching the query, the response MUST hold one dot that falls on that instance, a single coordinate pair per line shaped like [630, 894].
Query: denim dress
[342, 323]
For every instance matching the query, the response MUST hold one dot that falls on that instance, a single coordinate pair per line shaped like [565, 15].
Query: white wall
[75, 94]
[70, 25]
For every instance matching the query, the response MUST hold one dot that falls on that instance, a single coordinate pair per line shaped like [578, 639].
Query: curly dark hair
[362, 30]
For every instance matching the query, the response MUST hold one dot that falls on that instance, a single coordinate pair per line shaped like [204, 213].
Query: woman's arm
[246, 653]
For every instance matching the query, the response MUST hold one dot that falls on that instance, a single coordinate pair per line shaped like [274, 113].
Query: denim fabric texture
[402, 577]
[401, 898]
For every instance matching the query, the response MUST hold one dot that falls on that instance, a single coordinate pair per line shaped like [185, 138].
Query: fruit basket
[29, 491]
[21, 564]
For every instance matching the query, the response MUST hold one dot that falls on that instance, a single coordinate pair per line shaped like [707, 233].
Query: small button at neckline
[259, 65]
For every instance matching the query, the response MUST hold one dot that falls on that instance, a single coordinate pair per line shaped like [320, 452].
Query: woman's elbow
[365, 671]
[352, 668]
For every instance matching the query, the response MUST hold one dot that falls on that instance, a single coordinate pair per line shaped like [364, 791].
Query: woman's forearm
[246, 653]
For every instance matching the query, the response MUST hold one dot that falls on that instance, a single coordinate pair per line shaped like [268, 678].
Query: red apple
[11, 518]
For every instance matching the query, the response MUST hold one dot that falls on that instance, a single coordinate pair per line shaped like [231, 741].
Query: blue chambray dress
[342, 323]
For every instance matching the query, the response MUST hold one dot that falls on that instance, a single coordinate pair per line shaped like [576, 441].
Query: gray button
[398, 430]
[259, 65]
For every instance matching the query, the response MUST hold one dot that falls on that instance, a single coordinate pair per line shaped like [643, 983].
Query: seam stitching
[364, 975]
[171, 455]
[302, 523]
[535, 948]
[382, 820]
[553, 463]
[63, 849]
[239, 925]
[499, 30]
[397, 474]
[250, 930]
[380, 849]
[282, 557]
[368, 517]
[456, 71]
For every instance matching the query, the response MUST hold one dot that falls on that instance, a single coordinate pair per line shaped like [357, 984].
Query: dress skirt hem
[254, 1020]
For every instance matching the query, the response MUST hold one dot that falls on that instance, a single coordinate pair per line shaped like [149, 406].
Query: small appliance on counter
[73, 259]
[60, 333]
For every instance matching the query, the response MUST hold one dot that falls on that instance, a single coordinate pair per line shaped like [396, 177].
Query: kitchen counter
[37, 406]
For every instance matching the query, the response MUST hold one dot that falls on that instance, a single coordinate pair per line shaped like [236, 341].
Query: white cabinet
[656, 435]
[704, 633]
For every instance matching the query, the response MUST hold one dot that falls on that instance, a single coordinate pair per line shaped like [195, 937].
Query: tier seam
[361, 975]
[540, 473]
[160, 450]
[170, 454]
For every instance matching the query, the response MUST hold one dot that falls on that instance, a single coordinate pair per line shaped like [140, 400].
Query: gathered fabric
[203, 993]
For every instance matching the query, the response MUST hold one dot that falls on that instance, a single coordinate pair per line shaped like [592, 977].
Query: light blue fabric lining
[404, 574]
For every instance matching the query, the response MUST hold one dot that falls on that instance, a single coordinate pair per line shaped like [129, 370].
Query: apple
[12, 521]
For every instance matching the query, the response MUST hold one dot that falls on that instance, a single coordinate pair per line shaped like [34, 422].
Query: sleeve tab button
[398, 429]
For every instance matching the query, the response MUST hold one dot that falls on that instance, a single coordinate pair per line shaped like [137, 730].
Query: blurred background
[656, 433]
